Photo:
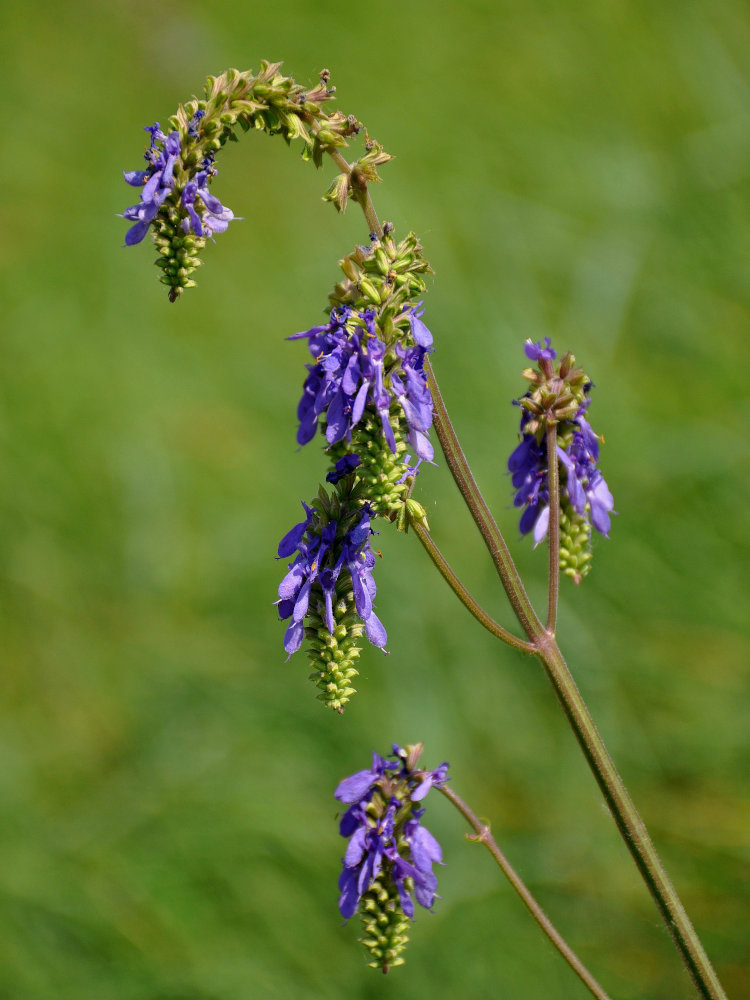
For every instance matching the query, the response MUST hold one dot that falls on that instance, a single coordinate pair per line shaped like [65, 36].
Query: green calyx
[382, 476]
[556, 393]
[575, 544]
[384, 923]
[384, 276]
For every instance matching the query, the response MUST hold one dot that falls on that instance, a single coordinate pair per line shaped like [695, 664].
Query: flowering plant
[371, 392]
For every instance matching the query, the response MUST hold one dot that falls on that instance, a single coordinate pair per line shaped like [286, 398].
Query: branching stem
[626, 817]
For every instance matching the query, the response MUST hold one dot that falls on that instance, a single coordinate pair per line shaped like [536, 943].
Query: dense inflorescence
[560, 394]
[389, 857]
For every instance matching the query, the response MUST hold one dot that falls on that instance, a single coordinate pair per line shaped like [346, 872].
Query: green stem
[483, 836]
[553, 485]
[630, 824]
[483, 519]
[626, 817]
[463, 595]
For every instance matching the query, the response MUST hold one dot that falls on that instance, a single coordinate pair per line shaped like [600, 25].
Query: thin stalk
[553, 485]
[463, 595]
[483, 836]
[483, 519]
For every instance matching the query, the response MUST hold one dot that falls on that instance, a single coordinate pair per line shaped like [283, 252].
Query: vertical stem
[553, 485]
[483, 836]
[630, 825]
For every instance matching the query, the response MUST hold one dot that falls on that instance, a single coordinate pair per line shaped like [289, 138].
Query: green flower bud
[384, 923]
[575, 544]
[332, 656]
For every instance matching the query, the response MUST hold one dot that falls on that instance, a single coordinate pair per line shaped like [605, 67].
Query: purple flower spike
[584, 495]
[353, 371]
[387, 841]
[323, 553]
[165, 176]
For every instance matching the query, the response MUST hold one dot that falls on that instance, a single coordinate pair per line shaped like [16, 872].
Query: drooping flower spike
[175, 200]
[354, 371]
[176, 204]
[329, 590]
[389, 858]
[560, 393]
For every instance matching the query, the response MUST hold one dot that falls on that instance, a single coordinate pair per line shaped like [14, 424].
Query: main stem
[629, 823]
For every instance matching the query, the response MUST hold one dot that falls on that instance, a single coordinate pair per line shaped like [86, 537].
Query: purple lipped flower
[343, 468]
[387, 841]
[324, 551]
[157, 181]
[354, 370]
[213, 217]
[536, 352]
[419, 331]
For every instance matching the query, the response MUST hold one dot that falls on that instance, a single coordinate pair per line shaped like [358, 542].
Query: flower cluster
[354, 369]
[585, 499]
[165, 176]
[390, 854]
[322, 552]
[329, 589]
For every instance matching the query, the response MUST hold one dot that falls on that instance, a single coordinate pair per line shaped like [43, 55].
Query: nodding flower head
[560, 394]
[175, 202]
[329, 590]
[389, 857]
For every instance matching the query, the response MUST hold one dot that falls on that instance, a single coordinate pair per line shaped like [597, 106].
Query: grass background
[574, 169]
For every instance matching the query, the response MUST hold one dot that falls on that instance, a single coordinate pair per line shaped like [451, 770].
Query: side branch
[463, 595]
[483, 836]
[483, 518]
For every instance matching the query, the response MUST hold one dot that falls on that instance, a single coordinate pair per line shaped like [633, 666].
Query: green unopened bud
[575, 544]
[332, 656]
[369, 290]
[384, 923]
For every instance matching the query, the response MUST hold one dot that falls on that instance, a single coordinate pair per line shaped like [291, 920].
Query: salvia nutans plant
[370, 390]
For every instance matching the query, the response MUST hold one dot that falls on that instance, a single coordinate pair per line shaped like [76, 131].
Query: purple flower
[528, 467]
[324, 550]
[386, 837]
[157, 181]
[354, 370]
[535, 352]
[163, 158]
[582, 485]
[343, 467]
[213, 217]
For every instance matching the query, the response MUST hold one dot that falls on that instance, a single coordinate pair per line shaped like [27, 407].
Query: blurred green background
[167, 827]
